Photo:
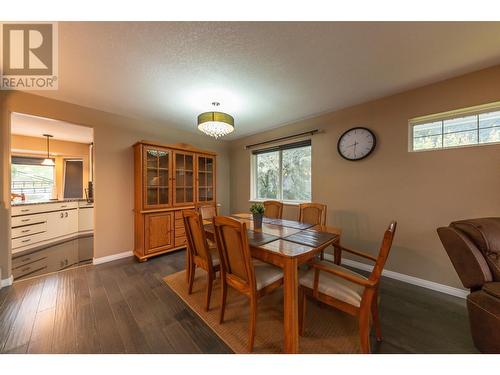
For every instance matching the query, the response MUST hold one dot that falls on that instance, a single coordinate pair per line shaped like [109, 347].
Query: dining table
[286, 244]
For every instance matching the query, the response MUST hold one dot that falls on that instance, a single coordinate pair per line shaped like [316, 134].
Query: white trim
[461, 293]
[6, 282]
[113, 257]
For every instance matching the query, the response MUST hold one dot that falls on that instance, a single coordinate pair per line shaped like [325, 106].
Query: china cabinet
[168, 179]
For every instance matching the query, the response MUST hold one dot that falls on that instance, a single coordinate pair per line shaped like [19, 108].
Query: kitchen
[52, 198]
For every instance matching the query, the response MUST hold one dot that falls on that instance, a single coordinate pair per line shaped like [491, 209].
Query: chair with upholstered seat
[347, 290]
[250, 277]
[315, 214]
[312, 213]
[200, 254]
[273, 209]
[207, 211]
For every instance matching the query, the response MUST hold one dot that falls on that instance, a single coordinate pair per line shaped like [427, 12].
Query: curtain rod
[310, 132]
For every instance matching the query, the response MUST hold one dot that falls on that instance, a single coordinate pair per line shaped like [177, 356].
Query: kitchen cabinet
[168, 180]
[51, 236]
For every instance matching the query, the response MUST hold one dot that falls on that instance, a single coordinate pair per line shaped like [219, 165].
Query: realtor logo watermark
[28, 56]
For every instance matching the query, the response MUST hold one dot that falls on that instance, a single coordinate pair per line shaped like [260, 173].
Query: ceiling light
[215, 124]
[48, 161]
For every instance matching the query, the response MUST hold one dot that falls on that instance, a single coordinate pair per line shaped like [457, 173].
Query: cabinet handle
[25, 269]
[64, 206]
[26, 231]
[28, 240]
[62, 215]
[25, 259]
[25, 220]
[66, 215]
[26, 210]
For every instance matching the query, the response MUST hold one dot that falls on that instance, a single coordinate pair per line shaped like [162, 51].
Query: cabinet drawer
[28, 219]
[28, 230]
[28, 240]
[180, 232]
[179, 241]
[38, 208]
[179, 223]
[31, 269]
[27, 259]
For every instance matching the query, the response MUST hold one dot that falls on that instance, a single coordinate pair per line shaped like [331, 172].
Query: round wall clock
[356, 143]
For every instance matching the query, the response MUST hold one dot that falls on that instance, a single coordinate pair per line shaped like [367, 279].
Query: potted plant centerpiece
[257, 210]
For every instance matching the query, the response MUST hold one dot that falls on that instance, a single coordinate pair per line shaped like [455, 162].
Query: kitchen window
[469, 127]
[282, 172]
[31, 178]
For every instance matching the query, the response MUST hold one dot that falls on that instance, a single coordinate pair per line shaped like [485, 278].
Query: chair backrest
[273, 209]
[208, 211]
[312, 213]
[385, 248]
[234, 252]
[197, 241]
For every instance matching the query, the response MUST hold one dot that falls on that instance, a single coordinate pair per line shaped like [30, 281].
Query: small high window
[474, 126]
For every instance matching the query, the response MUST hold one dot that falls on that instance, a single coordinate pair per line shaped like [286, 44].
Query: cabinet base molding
[6, 282]
[110, 258]
[144, 258]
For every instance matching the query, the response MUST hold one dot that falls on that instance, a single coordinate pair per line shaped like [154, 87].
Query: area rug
[326, 330]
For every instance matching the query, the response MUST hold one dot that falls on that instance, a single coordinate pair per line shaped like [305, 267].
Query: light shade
[215, 124]
[49, 162]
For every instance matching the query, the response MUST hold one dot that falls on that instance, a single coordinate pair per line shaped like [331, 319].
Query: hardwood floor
[125, 307]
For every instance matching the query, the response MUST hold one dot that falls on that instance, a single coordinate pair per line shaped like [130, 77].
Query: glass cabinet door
[157, 177]
[206, 179]
[184, 178]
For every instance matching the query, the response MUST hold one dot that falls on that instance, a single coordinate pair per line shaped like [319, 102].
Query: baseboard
[113, 257]
[410, 279]
[6, 282]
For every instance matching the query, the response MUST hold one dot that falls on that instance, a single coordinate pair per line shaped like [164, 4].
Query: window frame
[451, 115]
[253, 171]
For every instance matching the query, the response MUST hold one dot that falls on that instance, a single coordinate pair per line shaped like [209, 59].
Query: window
[474, 126]
[31, 178]
[283, 172]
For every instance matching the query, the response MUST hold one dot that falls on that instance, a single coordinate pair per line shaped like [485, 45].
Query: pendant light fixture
[215, 124]
[48, 161]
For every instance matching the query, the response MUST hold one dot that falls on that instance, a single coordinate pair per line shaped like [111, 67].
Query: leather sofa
[474, 249]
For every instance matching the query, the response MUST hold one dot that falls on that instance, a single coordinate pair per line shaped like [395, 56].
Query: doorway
[52, 205]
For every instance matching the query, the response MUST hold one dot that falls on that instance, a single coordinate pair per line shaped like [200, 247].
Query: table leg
[291, 306]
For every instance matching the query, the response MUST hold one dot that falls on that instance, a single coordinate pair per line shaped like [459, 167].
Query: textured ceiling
[264, 74]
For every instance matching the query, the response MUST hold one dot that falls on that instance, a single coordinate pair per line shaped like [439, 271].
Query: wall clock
[356, 143]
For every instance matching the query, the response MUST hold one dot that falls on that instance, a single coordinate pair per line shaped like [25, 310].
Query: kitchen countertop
[29, 203]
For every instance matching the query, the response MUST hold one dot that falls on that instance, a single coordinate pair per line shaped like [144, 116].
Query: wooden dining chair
[273, 209]
[312, 213]
[315, 214]
[207, 211]
[252, 278]
[200, 254]
[347, 290]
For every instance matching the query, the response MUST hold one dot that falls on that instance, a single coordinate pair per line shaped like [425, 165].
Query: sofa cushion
[485, 234]
[492, 289]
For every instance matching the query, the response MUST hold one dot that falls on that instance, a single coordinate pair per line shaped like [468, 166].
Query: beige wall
[113, 137]
[422, 191]
[33, 146]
